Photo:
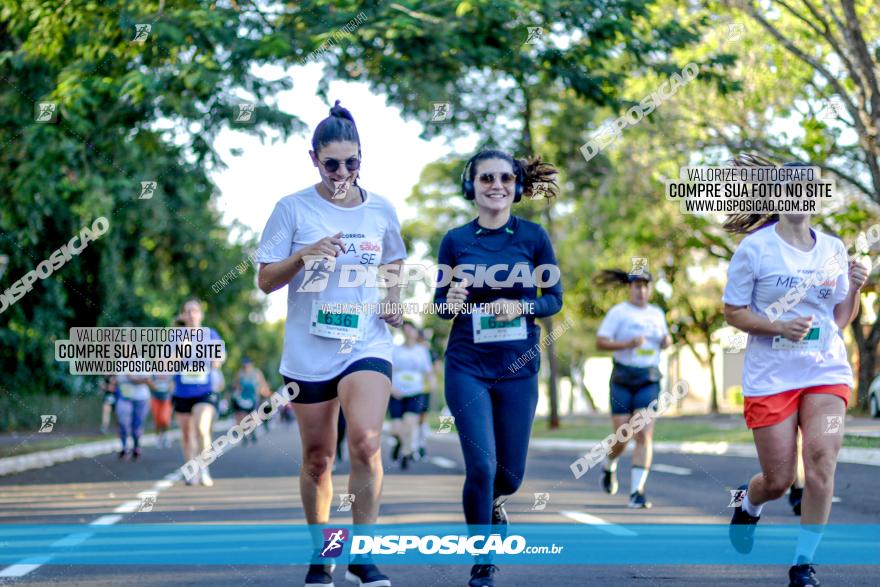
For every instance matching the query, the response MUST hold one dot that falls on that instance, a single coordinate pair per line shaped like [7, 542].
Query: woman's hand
[858, 275]
[636, 341]
[457, 295]
[506, 310]
[329, 246]
[394, 314]
[795, 330]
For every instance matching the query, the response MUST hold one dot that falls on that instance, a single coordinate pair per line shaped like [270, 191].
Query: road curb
[47, 458]
[855, 456]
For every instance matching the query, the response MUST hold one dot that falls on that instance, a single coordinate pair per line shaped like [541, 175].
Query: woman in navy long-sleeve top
[504, 275]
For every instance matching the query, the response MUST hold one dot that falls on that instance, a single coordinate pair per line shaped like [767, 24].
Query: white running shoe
[206, 479]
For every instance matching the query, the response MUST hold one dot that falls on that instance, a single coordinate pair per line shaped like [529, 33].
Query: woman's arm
[550, 300]
[845, 312]
[606, 344]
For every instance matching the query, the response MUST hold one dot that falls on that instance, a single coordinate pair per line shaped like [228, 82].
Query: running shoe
[637, 501]
[482, 576]
[422, 452]
[320, 575]
[123, 453]
[206, 479]
[366, 574]
[609, 481]
[802, 575]
[135, 453]
[742, 528]
[795, 495]
[404, 462]
[395, 452]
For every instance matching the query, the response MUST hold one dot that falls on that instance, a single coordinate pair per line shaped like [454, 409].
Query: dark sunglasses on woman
[488, 179]
[352, 164]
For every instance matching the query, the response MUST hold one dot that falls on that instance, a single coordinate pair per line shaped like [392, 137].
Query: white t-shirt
[371, 234]
[128, 389]
[626, 321]
[411, 368]
[763, 270]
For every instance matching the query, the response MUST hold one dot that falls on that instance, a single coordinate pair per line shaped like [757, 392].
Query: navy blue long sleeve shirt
[519, 247]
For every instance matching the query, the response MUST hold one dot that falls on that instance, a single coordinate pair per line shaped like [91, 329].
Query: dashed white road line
[599, 523]
[24, 567]
[105, 521]
[660, 468]
[28, 565]
[443, 462]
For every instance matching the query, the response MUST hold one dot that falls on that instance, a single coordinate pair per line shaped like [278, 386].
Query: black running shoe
[405, 460]
[395, 452]
[609, 481]
[742, 528]
[637, 501]
[795, 495]
[802, 576]
[482, 576]
[319, 575]
[421, 452]
[366, 574]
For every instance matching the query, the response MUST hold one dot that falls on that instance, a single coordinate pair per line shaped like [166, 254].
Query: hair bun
[340, 112]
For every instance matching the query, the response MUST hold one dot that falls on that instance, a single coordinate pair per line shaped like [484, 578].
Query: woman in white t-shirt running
[636, 331]
[790, 287]
[413, 373]
[327, 243]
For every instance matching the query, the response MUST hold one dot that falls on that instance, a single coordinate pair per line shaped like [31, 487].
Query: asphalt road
[258, 485]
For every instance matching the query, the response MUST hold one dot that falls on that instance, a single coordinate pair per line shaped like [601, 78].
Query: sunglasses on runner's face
[488, 179]
[352, 164]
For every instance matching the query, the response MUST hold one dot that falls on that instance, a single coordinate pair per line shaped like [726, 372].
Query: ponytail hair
[749, 223]
[339, 126]
[539, 178]
[608, 277]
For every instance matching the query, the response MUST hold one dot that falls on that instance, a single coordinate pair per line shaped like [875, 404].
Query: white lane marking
[660, 468]
[601, 524]
[24, 567]
[443, 462]
[105, 521]
[128, 507]
[836, 499]
[164, 484]
[73, 539]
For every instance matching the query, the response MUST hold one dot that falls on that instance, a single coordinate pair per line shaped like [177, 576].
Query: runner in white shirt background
[636, 331]
[336, 359]
[413, 376]
[796, 372]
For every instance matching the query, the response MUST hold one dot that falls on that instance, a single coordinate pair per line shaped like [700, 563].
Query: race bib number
[410, 377]
[488, 329]
[813, 341]
[195, 378]
[645, 352]
[340, 325]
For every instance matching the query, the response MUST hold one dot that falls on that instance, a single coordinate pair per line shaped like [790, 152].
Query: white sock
[638, 478]
[611, 464]
[750, 508]
[808, 542]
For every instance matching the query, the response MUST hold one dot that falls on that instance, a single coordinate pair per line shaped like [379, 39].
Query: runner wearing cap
[636, 331]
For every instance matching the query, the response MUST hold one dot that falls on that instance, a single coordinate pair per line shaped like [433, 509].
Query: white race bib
[488, 329]
[815, 340]
[340, 325]
[190, 378]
